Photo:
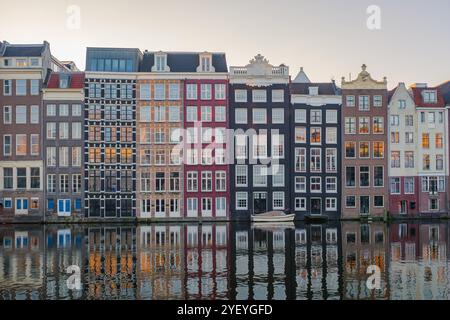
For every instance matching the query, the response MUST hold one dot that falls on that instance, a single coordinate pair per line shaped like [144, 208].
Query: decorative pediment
[364, 81]
[259, 72]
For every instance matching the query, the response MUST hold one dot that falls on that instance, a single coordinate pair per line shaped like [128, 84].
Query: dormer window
[429, 96]
[21, 63]
[313, 91]
[63, 81]
[7, 62]
[34, 62]
[205, 63]
[160, 63]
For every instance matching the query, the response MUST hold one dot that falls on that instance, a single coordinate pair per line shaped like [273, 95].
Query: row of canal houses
[179, 135]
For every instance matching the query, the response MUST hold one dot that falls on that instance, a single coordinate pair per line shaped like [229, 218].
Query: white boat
[273, 216]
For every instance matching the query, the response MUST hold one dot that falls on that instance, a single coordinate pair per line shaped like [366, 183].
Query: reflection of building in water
[206, 261]
[64, 247]
[363, 245]
[418, 261]
[160, 262]
[111, 262]
[21, 263]
[286, 263]
[317, 261]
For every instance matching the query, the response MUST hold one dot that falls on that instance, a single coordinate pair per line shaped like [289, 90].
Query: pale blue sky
[328, 38]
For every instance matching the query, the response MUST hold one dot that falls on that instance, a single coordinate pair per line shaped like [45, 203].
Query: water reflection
[226, 261]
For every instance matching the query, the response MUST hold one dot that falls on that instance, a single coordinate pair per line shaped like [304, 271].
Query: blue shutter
[67, 206]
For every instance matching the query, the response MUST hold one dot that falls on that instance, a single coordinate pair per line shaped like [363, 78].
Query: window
[378, 201]
[350, 150]
[51, 156]
[160, 62]
[316, 116]
[364, 125]
[21, 114]
[240, 115]
[278, 116]
[378, 176]
[331, 116]
[7, 114]
[350, 125]
[409, 120]
[21, 144]
[331, 160]
[409, 137]
[76, 130]
[160, 182]
[331, 135]
[433, 184]
[76, 156]
[409, 185]
[206, 181]
[429, 96]
[316, 184]
[51, 183]
[350, 202]
[378, 150]
[439, 162]
[240, 95]
[241, 146]
[34, 87]
[378, 125]
[350, 177]
[144, 91]
[192, 206]
[174, 182]
[76, 110]
[21, 178]
[206, 114]
[439, 141]
[259, 116]
[331, 184]
[364, 176]
[63, 130]
[395, 185]
[425, 140]
[278, 146]
[364, 103]
[191, 114]
[191, 91]
[220, 91]
[300, 204]
[278, 200]
[205, 91]
[259, 146]
[145, 182]
[63, 156]
[221, 181]
[76, 183]
[300, 135]
[300, 116]
[220, 114]
[426, 162]
[7, 141]
[63, 110]
[300, 184]
[395, 120]
[206, 206]
[377, 101]
[174, 114]
[278, 95]
[219, 156]
[364, 150]
[34, 144]
[409, 159]
[259, 95]
[422, 117]
[64, 183]
[34, 110]
[241, 201]
[160, 91]
[431, 119]
[316, 135]
[395, 159]
[159, 114]
[330, 204]
[278, 175]
[259, 176]
[241, 176]
[350, 101]
[7, 87]
[300, 159]
[8, 178]
[192, 181]
[21, 87]
[145, 114]
[395, 137]
[316, 157]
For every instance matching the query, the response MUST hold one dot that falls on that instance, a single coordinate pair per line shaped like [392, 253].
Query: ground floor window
[21, 205]
[192, 205]
[278, 200]
[7, 203]
[433, 204]
[331, 204]
[364, 205]
[241, 201]
[378, 201]
[300, 204]
[206, 206]
[350, 202]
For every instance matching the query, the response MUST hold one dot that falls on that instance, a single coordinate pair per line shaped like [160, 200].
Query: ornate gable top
[260, 68]
[364, 81]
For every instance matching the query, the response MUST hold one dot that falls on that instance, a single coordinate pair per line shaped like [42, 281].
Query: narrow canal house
[364, 171]
[432, 154]
[403, 158]
[315, 129]
[63, 122]
[159, 128]
[206, 170]
[259, 116]
[110, 132]
[23, 72]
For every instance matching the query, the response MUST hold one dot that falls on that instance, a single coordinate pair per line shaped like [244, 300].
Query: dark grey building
[315, 129]
[63, 115]
[110, 132]
[259, 116]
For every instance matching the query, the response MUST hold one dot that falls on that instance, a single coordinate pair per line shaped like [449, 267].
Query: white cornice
[316, 101]
[63, 94]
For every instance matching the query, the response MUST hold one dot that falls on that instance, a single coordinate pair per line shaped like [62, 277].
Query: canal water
[226, 261]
